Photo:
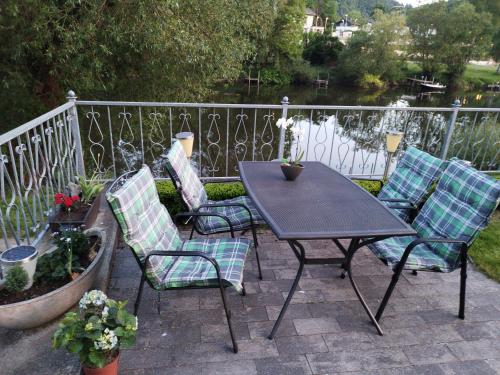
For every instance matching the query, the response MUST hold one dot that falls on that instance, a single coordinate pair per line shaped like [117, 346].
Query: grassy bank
[485, 252]
[475, 76]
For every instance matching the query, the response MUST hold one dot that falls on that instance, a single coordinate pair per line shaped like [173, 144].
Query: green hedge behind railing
[226, 190]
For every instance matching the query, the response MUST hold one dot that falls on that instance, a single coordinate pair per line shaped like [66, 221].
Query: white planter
[24, 256]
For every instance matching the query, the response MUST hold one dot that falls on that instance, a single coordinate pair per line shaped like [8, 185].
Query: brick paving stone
[263, 329]
[313, 326]
[283, 365]
[428, 354]
[477, 349]
[301, 344]
[294, 311]
[468, 367]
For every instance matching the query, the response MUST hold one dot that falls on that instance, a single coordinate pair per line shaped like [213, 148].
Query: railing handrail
[278, 106]
[16, 132]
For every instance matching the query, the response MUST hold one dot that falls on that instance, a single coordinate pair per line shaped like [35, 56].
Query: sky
[415, 3]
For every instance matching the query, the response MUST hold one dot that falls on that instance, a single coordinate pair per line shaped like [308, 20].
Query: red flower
[68, 202]
[75, 198]
[59, 198]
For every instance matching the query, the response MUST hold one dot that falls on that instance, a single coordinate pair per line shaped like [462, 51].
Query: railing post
[449, 130]
[75, 131]
[284, 113]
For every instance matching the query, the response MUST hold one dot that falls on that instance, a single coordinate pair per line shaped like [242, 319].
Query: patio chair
[446, 226]
[166, 261]
[239, 211]
[410, 182]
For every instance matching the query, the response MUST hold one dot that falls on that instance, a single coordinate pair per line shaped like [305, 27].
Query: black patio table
[320, 204]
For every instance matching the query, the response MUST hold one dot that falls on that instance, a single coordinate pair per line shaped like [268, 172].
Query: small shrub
[371, 81]
[215, 191]
[16, 279]
[373, 187]
[274, 76]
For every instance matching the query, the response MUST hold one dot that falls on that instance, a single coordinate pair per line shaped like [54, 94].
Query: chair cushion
[412, 178]
[459, 208]
[145, 222]
[192, 190]
[238, 216]
[229, 253]
[422, 257]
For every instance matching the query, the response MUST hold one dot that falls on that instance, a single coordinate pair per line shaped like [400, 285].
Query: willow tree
[167, 49]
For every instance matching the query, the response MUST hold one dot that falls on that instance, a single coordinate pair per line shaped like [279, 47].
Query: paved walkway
[325, 330]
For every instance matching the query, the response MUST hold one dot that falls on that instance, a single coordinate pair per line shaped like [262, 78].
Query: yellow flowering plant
[97, 331]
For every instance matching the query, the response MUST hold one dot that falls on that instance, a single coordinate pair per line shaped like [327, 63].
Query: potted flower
[96, 332]
[291, 166]
[75, 206]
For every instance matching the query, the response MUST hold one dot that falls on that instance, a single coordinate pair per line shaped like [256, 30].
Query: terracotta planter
[109, 369]
[291, 172]
[40, 310]
[78, 217]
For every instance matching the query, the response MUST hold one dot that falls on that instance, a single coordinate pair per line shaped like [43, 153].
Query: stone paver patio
[325, 330]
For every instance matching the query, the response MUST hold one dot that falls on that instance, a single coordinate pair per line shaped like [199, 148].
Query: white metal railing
[40, 157]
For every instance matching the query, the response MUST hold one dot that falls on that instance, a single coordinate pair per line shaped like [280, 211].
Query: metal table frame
[355, 244]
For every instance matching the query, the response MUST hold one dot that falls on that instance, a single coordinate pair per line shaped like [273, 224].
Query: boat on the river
[432, 86]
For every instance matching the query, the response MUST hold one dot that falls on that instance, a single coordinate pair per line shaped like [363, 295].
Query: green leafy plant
[97, 331]
[90, 188]
[16, 279]
[60, 263]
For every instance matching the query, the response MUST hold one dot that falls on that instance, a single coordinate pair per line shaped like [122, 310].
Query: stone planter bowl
[40, 310]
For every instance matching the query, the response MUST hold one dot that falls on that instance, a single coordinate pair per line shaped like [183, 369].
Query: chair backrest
[145, 222]
[413, 176]
[459, 208]
[180, 169]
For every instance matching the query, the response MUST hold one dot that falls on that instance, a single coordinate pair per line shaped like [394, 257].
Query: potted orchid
[96, 332]
[291, 166]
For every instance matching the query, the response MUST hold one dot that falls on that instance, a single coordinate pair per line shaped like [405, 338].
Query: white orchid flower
[281, 122]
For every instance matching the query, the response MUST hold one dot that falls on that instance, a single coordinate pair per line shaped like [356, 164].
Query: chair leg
[158, 303]
[228, 316]
[192, 232]
[388, 293]
[463, 279]
[139, 294]
[256, 244]
[414, 272]
[244, 291]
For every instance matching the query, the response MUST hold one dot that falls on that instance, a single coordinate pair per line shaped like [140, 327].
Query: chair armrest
[180, 253]
[228, 205]
[202, 214]
[418, 241]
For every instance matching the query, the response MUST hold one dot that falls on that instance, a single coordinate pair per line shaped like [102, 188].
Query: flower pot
[291, 171]
[84, 215]
[109, 369]
[24, 256]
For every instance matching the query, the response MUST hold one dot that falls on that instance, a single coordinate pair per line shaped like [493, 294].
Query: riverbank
[475, 76]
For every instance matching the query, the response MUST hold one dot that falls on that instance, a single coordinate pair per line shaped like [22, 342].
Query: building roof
[344, 22]
[310, 12]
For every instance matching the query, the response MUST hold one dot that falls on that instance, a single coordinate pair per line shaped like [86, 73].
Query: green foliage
[97, 332]
[369, 81]
[104, 46]
[364, 7]
[215, 191]
[446, 36]
[274, 76]
[60, 263]
[325, 9]
[485, 251]
[321, 49]
[16, 279]
[286, 41]
[90, 188]
[373, 187]
[378, 53]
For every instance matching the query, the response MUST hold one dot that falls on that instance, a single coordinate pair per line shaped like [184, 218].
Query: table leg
[301, 256]
[353, 247]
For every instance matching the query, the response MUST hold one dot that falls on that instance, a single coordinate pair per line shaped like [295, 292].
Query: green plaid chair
[410, 182]
[236, 214]
[447, 224]
[166, 261]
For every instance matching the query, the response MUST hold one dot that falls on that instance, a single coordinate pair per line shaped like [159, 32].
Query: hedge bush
[220, 191]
